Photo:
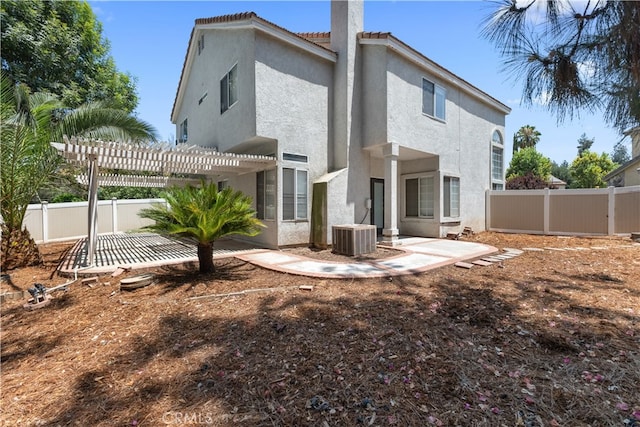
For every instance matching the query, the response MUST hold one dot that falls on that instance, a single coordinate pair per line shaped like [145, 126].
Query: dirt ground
[549, 338]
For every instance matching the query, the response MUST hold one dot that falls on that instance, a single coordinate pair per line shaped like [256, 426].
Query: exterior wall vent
[354, 239]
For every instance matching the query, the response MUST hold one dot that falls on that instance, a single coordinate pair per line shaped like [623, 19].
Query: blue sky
[149, 40]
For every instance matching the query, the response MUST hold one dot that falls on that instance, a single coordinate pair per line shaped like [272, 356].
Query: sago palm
[203, 214]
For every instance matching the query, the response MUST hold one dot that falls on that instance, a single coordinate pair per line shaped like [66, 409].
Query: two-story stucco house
[365, 129]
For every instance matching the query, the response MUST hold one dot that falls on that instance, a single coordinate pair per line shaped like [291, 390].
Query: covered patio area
[161, 166]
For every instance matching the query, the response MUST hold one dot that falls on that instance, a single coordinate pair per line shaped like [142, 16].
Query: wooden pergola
[179, 165]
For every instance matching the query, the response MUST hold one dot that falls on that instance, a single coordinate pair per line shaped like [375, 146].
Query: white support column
[92, 232]
[547, 195]
[390, 231]
[611, 214]
[114, 215]
[45, 221]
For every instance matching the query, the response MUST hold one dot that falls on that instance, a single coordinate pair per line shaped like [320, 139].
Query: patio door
[377, 204]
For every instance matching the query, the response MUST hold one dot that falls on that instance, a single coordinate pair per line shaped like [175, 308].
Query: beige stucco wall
[631, 175]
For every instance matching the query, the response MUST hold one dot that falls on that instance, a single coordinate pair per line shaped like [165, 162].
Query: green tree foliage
[108, 193]
[203, 214]
[581, 55]
[620, 153]
[56, 46]
[561, 171]
[27, 160]
[589, 170]
[527, 136]
[584, 144]
[529, 161]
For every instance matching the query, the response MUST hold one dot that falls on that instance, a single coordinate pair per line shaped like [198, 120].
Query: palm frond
[94, 120]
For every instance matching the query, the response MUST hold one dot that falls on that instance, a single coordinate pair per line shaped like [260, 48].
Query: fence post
[114, 215]
[45, 221]
[488, 210]
[611, 214]
[547, 196]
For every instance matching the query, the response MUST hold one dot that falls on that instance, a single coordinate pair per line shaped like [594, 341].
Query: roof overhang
[385, 39]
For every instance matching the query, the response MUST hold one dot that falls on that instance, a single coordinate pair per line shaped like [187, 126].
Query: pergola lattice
[164, 160]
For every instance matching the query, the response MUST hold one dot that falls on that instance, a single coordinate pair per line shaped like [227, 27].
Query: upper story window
[184, 132]
[497, 161]
[434, 99]
[229, 89]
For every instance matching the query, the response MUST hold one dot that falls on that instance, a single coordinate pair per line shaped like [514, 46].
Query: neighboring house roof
[318, 42]
[626, 165]
[556, 181]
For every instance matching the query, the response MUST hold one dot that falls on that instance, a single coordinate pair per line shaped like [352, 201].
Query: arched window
[497, 161]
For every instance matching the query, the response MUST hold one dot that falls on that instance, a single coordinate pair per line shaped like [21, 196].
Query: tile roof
[376, 35]
[226, 18]
[316, 35]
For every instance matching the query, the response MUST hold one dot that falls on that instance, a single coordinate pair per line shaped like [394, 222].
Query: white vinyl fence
[605, 211]
[48, 222]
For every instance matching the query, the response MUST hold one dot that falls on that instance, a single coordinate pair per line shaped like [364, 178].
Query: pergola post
[92, 240]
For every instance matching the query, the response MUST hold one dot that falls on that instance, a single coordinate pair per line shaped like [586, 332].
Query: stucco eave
[424, 62]
[292, 39]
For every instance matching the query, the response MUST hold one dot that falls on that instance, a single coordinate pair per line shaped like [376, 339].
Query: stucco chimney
[347, 20]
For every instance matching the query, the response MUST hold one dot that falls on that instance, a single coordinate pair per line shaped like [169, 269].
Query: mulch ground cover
[548, 338]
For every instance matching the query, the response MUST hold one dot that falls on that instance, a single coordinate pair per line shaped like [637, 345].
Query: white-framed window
[419, 197]
[434, 99]
[266, 194]
[294, 194]
[229, 89]
[451, 197]
[497, 161]
[183, 132]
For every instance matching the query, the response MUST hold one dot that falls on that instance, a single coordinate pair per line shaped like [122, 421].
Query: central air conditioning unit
[353, 239]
